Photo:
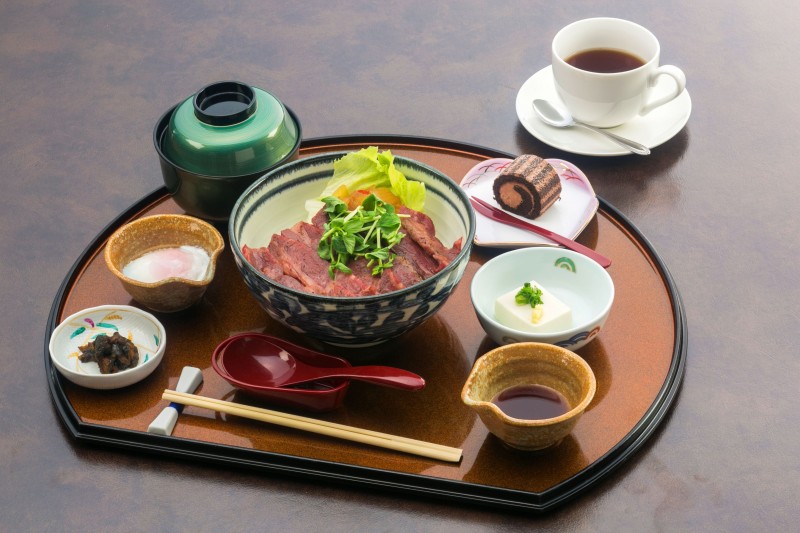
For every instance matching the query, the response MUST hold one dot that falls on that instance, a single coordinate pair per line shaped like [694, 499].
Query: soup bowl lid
[229, 128]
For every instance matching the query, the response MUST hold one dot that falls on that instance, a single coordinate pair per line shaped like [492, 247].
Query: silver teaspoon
[562, 119]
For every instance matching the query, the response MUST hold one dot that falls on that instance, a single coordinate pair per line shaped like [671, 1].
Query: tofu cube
[550, 316]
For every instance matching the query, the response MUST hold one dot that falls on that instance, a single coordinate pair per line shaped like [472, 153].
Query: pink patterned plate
[568, 216]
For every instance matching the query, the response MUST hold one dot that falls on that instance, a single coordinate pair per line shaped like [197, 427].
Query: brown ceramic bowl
[148, 234]
[529, 363]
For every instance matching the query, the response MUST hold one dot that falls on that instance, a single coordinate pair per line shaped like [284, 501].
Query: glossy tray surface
[638, 359]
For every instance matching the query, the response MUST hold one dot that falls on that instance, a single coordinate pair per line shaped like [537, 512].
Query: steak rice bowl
[374, 310]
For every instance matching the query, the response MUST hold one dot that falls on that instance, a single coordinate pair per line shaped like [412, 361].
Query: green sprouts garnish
[528, 295]
[369, 231]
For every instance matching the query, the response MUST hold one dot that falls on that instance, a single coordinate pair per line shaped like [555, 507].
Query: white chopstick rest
[190, 379]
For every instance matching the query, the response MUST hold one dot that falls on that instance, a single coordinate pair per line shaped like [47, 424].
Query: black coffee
[605, 60]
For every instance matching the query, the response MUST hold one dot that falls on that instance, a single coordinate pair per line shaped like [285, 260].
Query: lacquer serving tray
[638, 358]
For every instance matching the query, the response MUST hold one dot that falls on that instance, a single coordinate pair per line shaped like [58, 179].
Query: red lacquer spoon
[260, 363]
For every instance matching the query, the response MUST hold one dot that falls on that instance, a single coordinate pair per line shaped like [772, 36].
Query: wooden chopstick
[322, 427]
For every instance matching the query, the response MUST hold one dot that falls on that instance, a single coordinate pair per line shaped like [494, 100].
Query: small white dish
[651, 130]
[568, 216]
[140, 327]
[582, 284]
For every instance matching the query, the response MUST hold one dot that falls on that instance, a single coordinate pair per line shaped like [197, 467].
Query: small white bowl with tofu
[566, 301]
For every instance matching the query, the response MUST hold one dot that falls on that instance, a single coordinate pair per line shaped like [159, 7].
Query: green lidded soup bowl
[216, 143]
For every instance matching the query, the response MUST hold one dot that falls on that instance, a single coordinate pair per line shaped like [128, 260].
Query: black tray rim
[365, 477]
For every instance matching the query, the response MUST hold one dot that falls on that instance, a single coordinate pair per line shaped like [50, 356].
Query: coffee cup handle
[680, 84]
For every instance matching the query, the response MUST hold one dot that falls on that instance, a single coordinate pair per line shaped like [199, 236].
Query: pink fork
[501, 216]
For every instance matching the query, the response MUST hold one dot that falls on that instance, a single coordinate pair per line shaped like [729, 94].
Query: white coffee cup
[609, 99]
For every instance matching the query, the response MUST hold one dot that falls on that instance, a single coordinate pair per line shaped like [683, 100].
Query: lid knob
[224, 103]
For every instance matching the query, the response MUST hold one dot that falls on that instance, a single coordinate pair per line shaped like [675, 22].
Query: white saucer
[568, 216]
[652, 129]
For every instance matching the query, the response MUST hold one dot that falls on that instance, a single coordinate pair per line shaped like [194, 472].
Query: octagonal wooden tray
[638, 359]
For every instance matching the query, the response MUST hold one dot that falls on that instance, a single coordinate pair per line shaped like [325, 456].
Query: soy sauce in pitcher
[531, 402]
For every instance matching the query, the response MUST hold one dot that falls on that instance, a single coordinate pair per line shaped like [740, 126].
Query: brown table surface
[83, 84]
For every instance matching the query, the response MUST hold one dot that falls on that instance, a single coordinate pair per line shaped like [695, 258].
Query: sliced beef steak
[419, 227]
[291, 259]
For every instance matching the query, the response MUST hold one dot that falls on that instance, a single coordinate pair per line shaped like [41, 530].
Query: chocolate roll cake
[528, 186]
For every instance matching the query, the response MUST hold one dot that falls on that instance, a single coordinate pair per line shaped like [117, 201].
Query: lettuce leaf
[368, 168]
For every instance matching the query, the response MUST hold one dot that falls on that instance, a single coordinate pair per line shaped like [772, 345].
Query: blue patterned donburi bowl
[277, 201]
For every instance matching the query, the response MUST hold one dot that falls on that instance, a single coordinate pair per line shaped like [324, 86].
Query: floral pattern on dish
[110, 323]
[138, 326]
[568, 216]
